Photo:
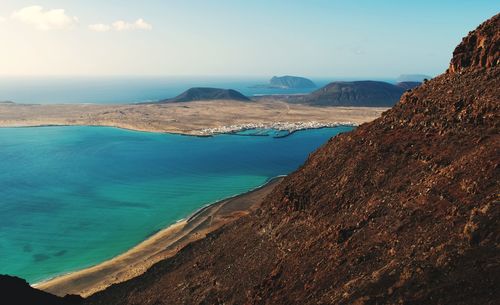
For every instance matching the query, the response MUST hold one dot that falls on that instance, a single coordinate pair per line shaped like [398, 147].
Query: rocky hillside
[357, 93]
[403, 210]
[207, 94]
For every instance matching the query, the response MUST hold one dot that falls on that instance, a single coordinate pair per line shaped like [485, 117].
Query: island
[412, 78]
[357, 93]
[288, 82]
[207, 94]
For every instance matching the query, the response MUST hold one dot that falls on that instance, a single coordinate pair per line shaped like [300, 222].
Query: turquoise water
[263, 132]
[71, 197]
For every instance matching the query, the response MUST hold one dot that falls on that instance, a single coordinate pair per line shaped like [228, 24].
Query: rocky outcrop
[403, 210]
[207, 94]
[480, 49]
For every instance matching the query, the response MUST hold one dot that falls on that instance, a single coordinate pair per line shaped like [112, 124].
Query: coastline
[290, 127]
[201, 118]
[160, 245]
[233, 130]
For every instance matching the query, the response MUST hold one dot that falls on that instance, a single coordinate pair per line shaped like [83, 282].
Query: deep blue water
[71, 197]
[116, 90]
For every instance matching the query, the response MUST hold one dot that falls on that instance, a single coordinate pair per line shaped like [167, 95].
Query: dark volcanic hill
[207, 94]
[357, 93]
[288, 81]
[403, 210]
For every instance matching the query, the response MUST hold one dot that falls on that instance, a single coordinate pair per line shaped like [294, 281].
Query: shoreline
[200, 118]
[229, 130]
[209, 205]
[159, 245]
[278, 126]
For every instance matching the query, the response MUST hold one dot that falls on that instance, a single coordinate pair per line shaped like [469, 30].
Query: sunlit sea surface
[117, 90]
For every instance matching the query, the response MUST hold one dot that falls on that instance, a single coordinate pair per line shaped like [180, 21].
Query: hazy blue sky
[234, 37]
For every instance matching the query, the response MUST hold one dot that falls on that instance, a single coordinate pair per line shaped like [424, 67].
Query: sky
[315, 38]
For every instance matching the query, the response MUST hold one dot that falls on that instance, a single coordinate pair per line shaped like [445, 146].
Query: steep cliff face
[480, 49]
[403, 210]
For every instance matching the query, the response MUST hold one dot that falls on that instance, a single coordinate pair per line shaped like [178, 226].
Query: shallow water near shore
[72, 197]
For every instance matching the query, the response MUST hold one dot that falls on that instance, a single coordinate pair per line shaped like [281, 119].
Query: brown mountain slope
[403, 210]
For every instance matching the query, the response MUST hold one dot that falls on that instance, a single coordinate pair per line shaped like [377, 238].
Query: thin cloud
[120, 25]
[139, 24]
[99, 27]
[45, 20]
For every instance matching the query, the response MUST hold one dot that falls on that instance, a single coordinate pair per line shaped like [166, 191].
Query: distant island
[207, 94]
[408, 85]
[357, 93]
[291, 82]
[366, 93]
[412, 78]
[288, 82]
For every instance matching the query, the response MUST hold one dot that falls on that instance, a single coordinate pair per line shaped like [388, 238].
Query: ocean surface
[118, 90]
[72, 197]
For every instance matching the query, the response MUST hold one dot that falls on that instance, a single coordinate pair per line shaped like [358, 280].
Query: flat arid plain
[190, 118]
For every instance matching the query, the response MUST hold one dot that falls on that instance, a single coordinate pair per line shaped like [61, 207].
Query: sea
[72, 197]
[118, 90]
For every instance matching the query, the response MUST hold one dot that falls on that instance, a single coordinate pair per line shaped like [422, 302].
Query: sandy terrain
[159, 246]
[192, 118]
